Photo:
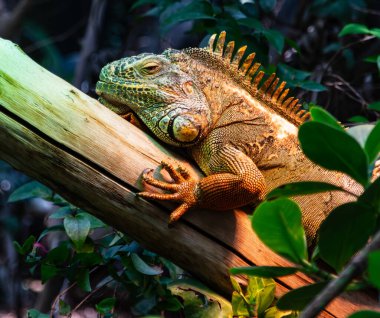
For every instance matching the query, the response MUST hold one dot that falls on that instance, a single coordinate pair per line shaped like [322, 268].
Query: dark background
[74, 39]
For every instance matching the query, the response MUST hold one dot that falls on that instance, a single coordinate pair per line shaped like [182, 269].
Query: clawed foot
[182, 190]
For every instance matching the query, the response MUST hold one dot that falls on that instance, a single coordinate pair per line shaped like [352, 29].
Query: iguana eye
[151, 68]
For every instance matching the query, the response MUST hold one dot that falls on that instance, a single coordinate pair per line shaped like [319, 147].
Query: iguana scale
[241, 133]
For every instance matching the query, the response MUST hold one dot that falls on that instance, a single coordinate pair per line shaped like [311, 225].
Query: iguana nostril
[184, 129]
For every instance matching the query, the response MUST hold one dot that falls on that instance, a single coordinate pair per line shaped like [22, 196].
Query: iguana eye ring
[151, 68]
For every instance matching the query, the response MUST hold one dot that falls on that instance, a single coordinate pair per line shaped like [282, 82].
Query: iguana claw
[182, 189]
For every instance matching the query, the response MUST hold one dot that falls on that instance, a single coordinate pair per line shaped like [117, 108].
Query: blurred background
[300, 40]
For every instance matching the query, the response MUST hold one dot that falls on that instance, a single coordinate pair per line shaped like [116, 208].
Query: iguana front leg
[235, 181]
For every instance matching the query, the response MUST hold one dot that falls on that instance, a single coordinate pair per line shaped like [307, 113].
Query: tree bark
[92, 157]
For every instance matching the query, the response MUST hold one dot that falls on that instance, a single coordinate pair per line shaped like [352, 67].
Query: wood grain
[70, 142]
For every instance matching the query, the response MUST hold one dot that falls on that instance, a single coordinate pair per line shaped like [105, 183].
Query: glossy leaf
[334, 150]
[94, 221]
[143, 267]
[105, 305]
[358, 119]
[239, 306]
[371, 196]
[77, 228]
[26, 246]
[30, 190]
[311, 86]
[58, 255]
[275, 38]
[264, 271]
[301, 188]
[344, 232]
[274, 312]
[251, 23]
[61, 212]
[48, 271]
[365, 314]
[195, 10]
[83, 279]
[34, 313]
[374, 268]
[64, 308]
[372, 144]
[297, 299]
[261, 292]
[360, 133]
[235, 285]
[374, 106]
[189, 290]
[320, 115]
[354, 28]
[278, 224]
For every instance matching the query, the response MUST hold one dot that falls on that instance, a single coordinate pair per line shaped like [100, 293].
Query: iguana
[241, 133]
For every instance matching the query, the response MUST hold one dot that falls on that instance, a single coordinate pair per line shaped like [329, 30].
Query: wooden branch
[94, 158]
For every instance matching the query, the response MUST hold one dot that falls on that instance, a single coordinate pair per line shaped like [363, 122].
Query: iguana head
[167, 99]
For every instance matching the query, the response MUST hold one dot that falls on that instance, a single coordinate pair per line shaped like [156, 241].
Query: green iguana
[243, 135]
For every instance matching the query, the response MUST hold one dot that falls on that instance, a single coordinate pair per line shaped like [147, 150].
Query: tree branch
[56, 134]
[338, 285]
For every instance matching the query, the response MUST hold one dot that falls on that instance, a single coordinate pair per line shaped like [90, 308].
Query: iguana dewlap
[242, 134]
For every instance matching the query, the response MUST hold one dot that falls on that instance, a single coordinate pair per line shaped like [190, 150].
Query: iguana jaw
[169, 102]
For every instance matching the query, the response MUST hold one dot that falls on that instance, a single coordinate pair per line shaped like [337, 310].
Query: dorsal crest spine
[272, 94]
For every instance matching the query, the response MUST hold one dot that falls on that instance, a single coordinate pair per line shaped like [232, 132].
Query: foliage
[84, 253]
[304, 46]
[344, 232]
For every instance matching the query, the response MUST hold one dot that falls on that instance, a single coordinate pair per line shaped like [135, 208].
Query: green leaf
[344, 232]
[105, 305]
[251, 23]
[61, 212]
[360, 133]
[374, 106]
[30, 190]
[274, 312]
[26, 247]
[34, 313]
[358, 119]
[261, 292]
[278, 224]
[48, 271]
[94, 221]
[264, 271]
[375, 32]
[58, 255]
[365, 314]
[83, 279]
[195, 10]
[239, 305]
[372, 144]
[373, 268]
[235, 285]
[64, 308]
[143, 267]
[311, 86]
[291, 73]
[301, 188]
[318, 114]
[334, 149]
[189, 290]
[77, 228]
[267, 5]
[297, 299]
[275, 38]
[354, 28]
[171, 304]
[140, 3]
[371, 196]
